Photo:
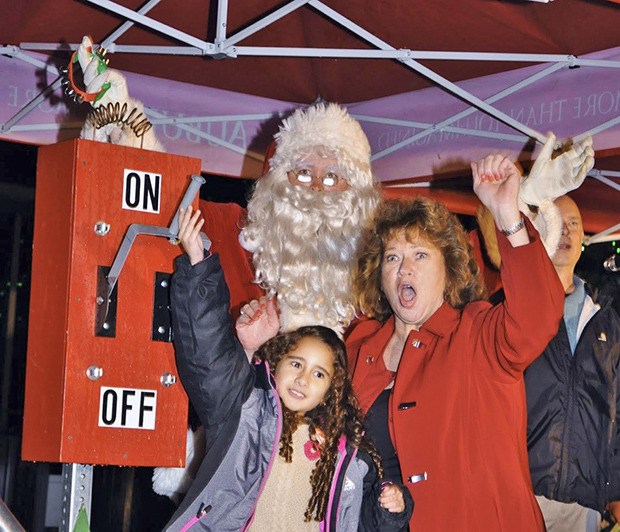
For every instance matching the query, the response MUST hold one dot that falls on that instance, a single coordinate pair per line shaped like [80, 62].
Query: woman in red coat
[441, 371]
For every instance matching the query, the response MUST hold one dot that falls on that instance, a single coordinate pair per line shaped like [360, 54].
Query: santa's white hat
[329, 126]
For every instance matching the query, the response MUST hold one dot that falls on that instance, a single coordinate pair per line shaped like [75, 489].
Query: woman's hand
[189, 234]
[257, 323]
[496, 183]
[391, 498]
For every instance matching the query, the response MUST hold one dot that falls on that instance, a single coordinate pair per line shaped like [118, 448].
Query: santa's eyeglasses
[305, 176]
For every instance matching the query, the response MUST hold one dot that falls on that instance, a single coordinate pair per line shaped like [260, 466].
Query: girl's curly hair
[431, 221]
[337, 415]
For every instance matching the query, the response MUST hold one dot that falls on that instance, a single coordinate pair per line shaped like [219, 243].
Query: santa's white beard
[304, 245]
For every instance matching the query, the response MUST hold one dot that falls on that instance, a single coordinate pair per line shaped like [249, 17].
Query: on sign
[141, 191]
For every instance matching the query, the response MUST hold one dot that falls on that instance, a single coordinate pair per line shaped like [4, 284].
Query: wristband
[515, 228]
[73, 91]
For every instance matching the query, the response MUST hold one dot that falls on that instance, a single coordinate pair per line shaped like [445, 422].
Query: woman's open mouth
[406, 294]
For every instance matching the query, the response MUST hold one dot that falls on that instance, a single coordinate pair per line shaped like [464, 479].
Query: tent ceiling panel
[564, 28]
[568, 27]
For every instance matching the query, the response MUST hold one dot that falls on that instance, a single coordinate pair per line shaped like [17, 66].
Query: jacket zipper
[342, 455]
[202, 511]
[274, 450]
[564, 458]
[612, 419]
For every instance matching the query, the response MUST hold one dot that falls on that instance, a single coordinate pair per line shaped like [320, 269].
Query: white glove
[551, 178]
[97, 76]
[548, 223]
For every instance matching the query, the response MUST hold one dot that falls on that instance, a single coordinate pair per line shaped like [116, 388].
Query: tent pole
[602, 127]
[604, 236]
[30, 106]
[430, 74]
[128, 24]
[600, 176]
[136, 17]
[206, 136]
[608, 234]
[222, 19]
[454, 118]
[264, 22]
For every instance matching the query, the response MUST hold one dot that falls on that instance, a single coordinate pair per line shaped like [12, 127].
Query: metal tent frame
[229, 46]
[225, 46]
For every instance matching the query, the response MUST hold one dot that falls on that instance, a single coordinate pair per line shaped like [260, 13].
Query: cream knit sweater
[285, 496]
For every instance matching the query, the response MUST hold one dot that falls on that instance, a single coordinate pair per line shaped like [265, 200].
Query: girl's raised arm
[211, 363]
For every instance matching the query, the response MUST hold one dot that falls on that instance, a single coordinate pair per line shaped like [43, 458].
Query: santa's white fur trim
[332, 127]
[173, 482]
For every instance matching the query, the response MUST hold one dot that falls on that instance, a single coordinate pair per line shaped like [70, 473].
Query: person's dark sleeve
[373, 517]
[614, 481]
[212, 364]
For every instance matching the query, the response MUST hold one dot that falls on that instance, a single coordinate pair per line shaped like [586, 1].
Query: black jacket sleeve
[373, 517]
[212, 365]
[612, 325]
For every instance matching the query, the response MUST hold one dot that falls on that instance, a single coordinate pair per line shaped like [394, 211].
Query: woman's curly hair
[337, 415]
[434, 223]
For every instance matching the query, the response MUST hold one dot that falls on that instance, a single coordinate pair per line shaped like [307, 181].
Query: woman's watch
[515, 228]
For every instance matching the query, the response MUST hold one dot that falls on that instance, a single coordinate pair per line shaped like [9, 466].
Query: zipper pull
[203, 510]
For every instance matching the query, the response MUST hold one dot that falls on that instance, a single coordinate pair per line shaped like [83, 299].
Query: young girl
[285, 450]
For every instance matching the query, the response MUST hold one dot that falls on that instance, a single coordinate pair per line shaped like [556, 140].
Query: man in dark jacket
[573, 397]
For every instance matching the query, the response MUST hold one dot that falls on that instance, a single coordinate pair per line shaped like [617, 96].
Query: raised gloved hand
[97, 76]
[551, 178]
[118, 118]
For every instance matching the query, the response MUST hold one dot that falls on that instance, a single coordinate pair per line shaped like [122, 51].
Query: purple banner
[230, 131]
[569, 102]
